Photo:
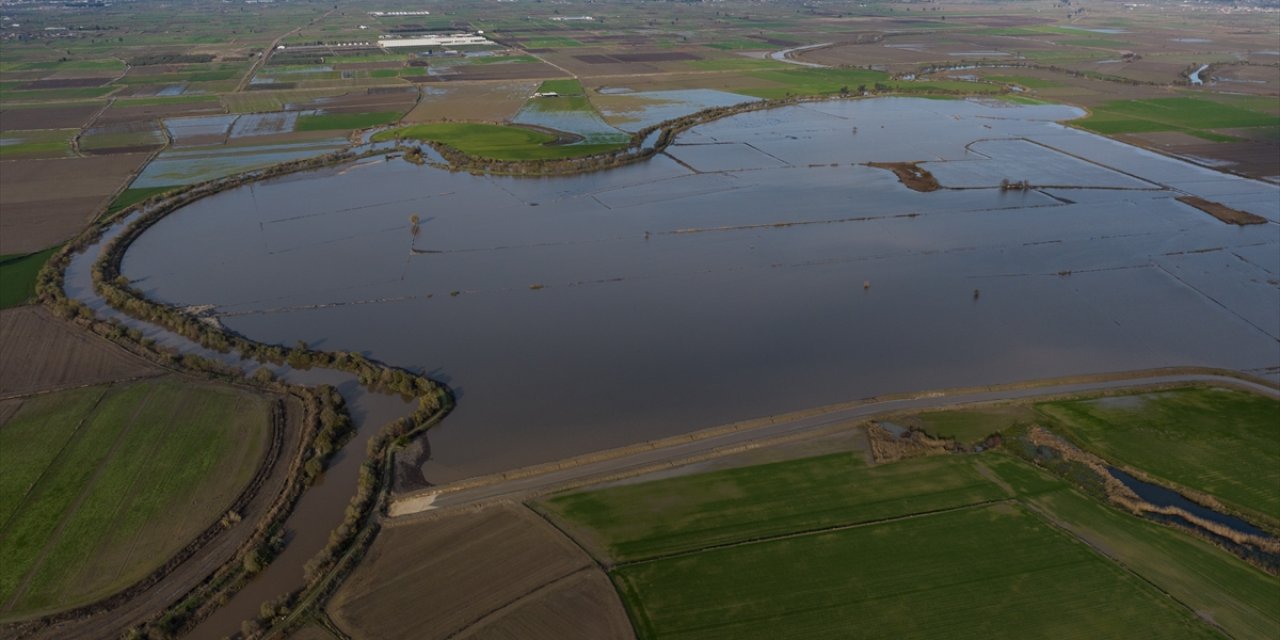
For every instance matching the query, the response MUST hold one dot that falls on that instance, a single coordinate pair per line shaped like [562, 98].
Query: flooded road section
[755, 268]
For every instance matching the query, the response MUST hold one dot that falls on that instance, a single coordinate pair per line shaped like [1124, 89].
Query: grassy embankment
[830, 546]
[103, 484]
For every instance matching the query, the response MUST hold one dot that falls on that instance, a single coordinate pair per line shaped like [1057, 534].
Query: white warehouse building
[450, 40]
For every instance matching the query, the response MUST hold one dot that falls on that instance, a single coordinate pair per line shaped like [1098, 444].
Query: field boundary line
[1056, 524]
[815, 531]
[498, 612]
[93, 410]
[74, 507]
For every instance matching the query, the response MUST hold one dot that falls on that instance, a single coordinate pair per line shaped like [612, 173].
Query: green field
[345, 121]
[566, 87]
[686, 513]
[497, 142]
[1218, 441]
[985, 572]
[812, 81]
[42, 143]
[102, 484]
[1026, 81]
[18, 277]
[982, 546]
[1191, 115]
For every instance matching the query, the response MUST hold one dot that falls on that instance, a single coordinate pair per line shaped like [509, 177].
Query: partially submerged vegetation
[911, 174]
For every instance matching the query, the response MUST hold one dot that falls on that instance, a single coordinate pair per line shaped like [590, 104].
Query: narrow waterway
[322, 507]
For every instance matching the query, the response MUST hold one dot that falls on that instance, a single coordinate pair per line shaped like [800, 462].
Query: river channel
[755, 268]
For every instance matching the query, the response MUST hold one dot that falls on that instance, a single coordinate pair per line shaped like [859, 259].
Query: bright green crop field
[102, 484]
[497, 142]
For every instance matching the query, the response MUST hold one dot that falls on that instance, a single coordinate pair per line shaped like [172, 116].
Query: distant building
[449, 40]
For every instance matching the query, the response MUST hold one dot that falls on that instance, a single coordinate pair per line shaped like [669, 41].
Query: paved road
[637, 459]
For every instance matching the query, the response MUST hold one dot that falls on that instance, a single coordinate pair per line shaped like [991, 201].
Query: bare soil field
[47, 117]
[439, 577]
[556, 613]
[48, 201]
[478, 101]
[43, 353]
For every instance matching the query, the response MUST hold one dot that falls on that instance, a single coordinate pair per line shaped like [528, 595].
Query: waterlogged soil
[757, 267]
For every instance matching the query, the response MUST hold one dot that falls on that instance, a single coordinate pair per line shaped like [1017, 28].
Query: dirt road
[653, 456]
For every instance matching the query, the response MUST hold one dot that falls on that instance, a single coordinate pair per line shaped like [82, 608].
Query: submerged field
[103, 484]
[982, 546]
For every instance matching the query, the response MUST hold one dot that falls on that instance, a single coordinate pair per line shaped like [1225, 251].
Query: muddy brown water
[756, 268]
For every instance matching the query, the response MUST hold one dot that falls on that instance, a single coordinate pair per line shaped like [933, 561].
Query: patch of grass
[1218, 441]
[1026, 81]
[42, 95]
[18, 277]
[973, 425]
[564, 87]
[45, 143]
[165, 100]
[497, 142]
[990, 572]
[737, 44]
[84, 513]
[550, 43]
[130, 197]
[737, 64]
[686, 513]
[345, 121]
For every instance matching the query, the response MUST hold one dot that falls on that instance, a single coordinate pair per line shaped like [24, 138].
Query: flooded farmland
[757, 267]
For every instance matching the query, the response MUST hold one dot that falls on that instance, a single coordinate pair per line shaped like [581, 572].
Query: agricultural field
[42, 353]
[511, 575]
[499, 142]
[84, 514]
[950, 545]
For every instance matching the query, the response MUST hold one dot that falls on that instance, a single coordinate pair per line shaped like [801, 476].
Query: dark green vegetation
[345, 121]
[496, 142]
[769, 500]
[18, 277]
[984, 572]
[959, 545]
[1217, 441]
[103, 484]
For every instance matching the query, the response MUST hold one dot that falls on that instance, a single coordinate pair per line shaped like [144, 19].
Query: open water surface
[725, 279]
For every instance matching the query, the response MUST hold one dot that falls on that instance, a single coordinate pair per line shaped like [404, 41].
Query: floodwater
[725, 279]
[1162, 497]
